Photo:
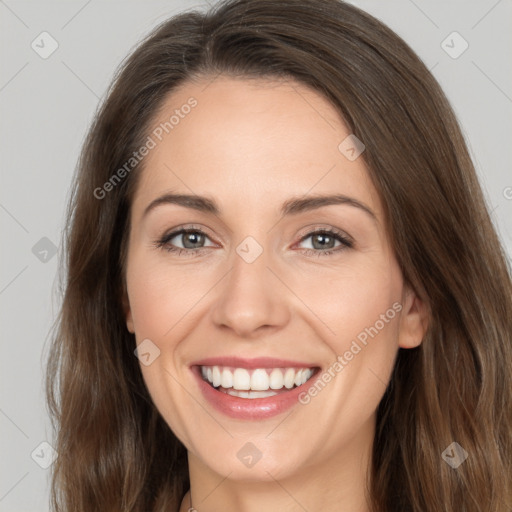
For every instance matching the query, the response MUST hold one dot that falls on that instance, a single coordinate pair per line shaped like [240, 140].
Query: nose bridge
[250, 296]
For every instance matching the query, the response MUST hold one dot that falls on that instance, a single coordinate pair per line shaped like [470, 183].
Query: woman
[284, 291]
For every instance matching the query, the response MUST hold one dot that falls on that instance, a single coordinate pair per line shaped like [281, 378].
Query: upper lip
[257, 362]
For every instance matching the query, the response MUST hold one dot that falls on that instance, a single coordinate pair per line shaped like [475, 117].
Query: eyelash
[346, 242]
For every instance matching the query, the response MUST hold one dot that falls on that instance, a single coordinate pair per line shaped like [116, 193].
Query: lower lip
[249, 408]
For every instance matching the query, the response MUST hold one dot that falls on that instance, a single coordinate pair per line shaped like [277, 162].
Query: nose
[251, 299]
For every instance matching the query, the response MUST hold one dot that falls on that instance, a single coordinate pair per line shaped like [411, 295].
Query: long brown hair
[116, 453]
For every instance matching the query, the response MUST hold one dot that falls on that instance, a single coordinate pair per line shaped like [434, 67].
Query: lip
[250, 364]
[251, 408]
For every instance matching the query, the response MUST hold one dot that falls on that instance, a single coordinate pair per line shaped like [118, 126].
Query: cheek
[160, 298]
[362, 308]
[348, 302]
[357, 311]
[161, 295]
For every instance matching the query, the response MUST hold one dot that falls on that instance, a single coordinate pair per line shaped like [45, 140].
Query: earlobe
[414, 320]
[129, 322]
[127, 311]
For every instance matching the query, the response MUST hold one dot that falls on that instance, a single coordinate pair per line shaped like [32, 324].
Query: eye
[192, 240]
[323, 242]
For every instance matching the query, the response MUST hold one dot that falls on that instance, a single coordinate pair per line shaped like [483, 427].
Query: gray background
[47, 105]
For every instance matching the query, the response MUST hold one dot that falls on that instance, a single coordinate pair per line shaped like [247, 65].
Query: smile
[252, 389]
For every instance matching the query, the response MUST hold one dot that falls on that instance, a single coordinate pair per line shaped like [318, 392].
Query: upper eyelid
[315, 229]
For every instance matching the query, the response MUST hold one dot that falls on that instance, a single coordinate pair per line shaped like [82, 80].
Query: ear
[127, 309]
[414, 319]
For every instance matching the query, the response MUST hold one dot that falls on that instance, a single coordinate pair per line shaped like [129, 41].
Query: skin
[251, 145]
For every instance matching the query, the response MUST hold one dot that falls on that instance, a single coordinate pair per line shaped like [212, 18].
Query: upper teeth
[260, 379]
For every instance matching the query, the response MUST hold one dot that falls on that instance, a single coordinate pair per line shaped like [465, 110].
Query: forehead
[251, 143]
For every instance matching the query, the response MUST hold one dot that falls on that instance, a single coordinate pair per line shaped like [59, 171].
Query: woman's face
[271, 286]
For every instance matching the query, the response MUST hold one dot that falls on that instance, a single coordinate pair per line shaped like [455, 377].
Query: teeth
[259, 380]
[241, 379]
[250, 394]
[216, 376]
[289, 378]
[227, 379]
[276, 379]
[256, 383]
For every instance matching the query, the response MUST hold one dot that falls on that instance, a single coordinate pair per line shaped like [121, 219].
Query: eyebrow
[292, 206]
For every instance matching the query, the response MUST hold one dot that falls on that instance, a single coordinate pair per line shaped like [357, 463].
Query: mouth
[253, 389]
